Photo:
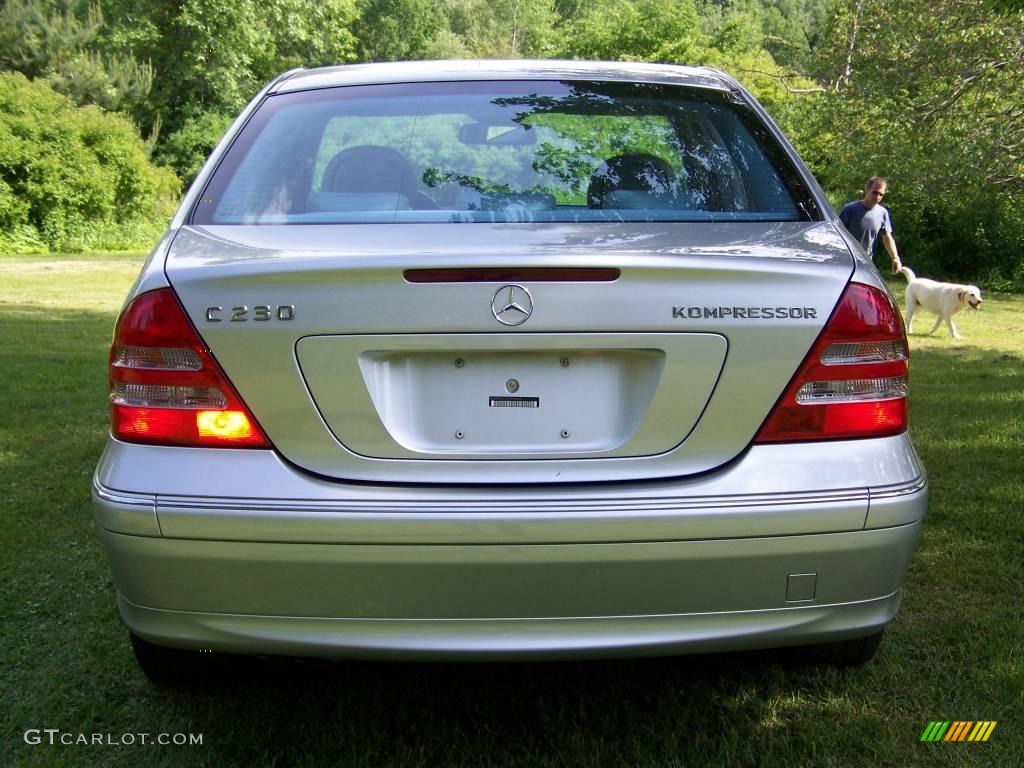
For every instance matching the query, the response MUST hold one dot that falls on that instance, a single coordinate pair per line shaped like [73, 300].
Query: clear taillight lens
[157, 358]
[853, 382]
[165, 386]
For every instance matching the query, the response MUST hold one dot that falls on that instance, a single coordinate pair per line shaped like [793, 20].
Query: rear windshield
[503, 152]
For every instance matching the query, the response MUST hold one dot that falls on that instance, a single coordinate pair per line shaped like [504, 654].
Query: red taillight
[165, 386]
[853, 382]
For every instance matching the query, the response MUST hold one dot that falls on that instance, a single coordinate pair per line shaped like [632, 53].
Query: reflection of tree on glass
[507, 151]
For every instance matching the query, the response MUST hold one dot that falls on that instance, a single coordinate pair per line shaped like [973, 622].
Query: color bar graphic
[958, 730]
[982, 730]
[935, 731]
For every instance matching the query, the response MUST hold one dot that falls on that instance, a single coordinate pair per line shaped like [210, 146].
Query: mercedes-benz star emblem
[512, 305]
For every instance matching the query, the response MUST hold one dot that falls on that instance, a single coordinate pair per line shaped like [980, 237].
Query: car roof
[491, 69]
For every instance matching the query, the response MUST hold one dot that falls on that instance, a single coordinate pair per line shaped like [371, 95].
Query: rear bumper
[764, 553]
[584, 575]
[491, 639]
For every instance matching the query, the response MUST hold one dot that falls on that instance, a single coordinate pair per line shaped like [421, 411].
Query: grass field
[954, 652]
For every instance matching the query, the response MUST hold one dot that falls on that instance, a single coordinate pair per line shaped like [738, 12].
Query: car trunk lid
[462, 353]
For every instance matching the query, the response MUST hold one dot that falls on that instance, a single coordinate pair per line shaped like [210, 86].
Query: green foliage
[637, 30]
[927, 93]
[212, 56]
[34, 34]
[88, 78]
[70, 176]
[393, 30]
[789, 30]
[496, 29]
[738, 28]
[673, 32]
[49, 39]
[958, 234]
[186, 149]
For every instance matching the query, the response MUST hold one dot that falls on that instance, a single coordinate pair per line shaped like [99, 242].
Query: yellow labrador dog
[942, 299]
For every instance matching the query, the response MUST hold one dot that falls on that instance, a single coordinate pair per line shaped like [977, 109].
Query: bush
[950, 223]
[966, 235]
[72, 177]
[186, 149]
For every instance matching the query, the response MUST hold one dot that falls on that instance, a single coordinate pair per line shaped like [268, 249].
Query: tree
[498, 28]
[393, 30]
[928, 94]
[51, 41]
[637, 30]
[211, 56]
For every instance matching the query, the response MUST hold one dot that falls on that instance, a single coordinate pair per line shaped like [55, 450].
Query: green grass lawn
[954, 652]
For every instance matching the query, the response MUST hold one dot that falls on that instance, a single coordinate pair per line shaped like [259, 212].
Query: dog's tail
[908, 273]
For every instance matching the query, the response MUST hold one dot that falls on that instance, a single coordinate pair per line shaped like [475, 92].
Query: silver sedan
[507, 359]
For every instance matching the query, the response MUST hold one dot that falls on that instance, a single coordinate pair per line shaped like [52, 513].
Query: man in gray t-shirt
[867, 220]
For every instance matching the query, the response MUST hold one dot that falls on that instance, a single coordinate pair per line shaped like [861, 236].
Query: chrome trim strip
[507, 518]
[498, 502]
[133, 514]
[775, 471]
[102, 493]
[898, 504]
[896, 491]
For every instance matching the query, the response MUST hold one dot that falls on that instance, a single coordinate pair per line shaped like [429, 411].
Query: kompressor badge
[745, 313]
